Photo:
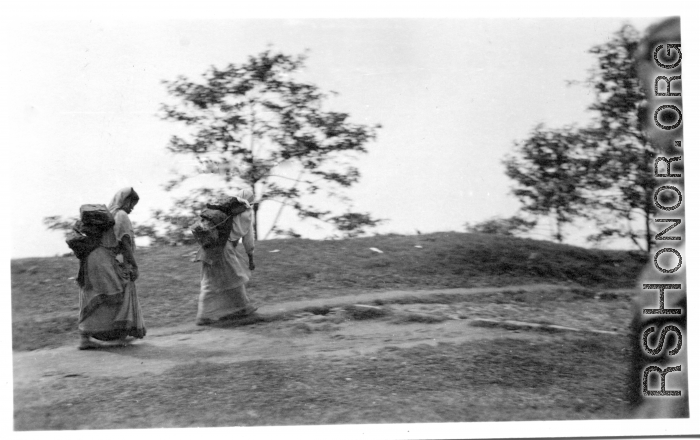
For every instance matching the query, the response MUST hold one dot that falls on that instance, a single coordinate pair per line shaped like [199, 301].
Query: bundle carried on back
[96, 216]
[211, 228]
[229, 205]
[87, 232]
[214, 225]
[86, 235]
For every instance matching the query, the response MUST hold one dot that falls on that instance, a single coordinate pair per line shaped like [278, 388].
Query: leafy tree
[58, 223]
[548, 168]
[623, 171]
[252, 125]
[600, 172]
[502, 226]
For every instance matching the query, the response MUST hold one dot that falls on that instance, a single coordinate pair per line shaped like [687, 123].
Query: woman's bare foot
[250, 310]
[86, 343]
[247, 311]
[123, 341]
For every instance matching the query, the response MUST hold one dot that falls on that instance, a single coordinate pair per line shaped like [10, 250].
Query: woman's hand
[134, 273]
[129, 271]
[251, 263]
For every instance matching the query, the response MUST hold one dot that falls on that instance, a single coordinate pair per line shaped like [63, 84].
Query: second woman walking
[225, 268]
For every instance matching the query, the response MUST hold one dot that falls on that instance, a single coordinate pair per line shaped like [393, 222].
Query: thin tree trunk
[255, 220]
[279, 211]
[252, 165]
[559, 237]
[647, 217]
[557, 220]
[648, 233]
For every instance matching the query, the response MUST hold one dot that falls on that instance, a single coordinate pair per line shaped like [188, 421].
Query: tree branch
[279, 211]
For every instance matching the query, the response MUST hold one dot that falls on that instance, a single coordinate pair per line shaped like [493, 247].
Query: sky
[452, 96]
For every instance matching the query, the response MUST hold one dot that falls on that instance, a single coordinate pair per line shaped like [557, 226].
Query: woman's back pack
[213, 227]
[87, 232]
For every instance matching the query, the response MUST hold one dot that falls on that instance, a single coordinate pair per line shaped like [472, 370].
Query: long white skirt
[223, 282]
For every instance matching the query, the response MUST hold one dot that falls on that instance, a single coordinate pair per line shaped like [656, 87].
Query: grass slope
[44, 296]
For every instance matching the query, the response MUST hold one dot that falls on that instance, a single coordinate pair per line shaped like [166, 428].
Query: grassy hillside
[44, 295]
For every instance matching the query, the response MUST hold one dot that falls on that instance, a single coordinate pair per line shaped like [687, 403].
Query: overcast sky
[452, 96]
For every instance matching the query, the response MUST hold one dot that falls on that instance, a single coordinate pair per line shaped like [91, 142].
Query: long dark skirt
[109, 306]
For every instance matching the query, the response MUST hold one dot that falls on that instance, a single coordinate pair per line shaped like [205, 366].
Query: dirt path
[294, 332]
[340, 327]
[166, 347]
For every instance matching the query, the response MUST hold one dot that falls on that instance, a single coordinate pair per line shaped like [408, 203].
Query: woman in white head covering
[109, 307]
[121, 205]
[225, 270]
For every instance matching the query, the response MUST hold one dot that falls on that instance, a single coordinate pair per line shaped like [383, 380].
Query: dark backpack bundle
[212, 228]
[82, 244]
[96, 216]
[228, 205]
[87, 232]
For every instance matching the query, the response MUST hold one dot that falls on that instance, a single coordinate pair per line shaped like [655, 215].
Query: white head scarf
[122, 199]
[245, 196]
[122, 224]
[243, 222]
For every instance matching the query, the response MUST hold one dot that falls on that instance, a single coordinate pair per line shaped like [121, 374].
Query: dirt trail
[169, 346]
[287, 330]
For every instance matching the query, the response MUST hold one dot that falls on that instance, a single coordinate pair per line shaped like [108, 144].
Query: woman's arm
[128, 253]
[251, 263]
[249, 246]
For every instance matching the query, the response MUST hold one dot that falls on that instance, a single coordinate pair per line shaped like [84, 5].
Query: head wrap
[122, 224]
[122, 199]
[246, 197]
[242, 223]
